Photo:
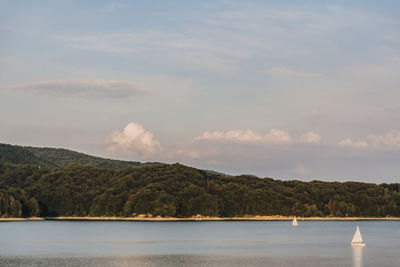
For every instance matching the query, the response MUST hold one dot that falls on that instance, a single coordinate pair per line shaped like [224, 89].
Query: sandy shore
[21, 219]
[247, 218]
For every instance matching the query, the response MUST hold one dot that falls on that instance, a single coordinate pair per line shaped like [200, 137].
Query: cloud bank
[274, 136]
[83, 88]
[388, 139]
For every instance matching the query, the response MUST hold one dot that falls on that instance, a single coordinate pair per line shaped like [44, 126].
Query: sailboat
[295, 223]
[357, 239]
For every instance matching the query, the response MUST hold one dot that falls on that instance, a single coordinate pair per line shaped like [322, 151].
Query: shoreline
[172, 219]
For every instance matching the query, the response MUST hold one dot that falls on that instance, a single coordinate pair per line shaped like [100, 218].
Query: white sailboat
[357, 239]
[295, 223]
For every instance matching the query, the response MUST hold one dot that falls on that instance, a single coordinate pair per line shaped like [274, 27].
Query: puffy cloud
[349, 142]
[134, 140]
[390, 139]
[310, 137]
[274, 136]
[83, 88]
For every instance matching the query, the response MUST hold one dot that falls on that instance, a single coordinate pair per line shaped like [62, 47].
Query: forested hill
[59, 157]
[180, 191]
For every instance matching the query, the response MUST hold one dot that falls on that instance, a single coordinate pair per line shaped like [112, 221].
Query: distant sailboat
[357, 239]
[295, 223]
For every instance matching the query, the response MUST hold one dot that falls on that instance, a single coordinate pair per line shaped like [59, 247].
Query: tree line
[180, 191]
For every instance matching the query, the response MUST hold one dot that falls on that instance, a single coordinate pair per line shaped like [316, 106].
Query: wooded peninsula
[48, 182]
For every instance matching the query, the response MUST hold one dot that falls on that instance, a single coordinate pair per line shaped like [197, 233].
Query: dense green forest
[180, 191]
[59, 182]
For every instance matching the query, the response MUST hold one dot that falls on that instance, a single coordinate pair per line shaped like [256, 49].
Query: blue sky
[299, 89]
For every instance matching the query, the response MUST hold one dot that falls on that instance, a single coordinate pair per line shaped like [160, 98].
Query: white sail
[295, 223]
[357, 239]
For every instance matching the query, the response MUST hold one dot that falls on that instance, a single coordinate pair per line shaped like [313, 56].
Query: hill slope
[59, 157]
[20, 155]
[179, 191]
[69, 183]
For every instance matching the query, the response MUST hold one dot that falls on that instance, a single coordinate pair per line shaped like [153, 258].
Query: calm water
[323, 243]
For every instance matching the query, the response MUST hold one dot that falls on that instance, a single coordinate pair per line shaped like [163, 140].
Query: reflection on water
[357, 256]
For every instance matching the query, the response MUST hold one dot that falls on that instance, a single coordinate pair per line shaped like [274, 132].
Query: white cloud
[83, 88]
[389, 139]
[310, 137]
[351, 143]
[233, 135]
[274, 136]
[134, 140]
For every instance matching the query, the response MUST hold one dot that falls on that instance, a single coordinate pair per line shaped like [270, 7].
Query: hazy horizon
[302, 90]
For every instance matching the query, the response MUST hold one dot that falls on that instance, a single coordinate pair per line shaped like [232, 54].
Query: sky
[284, 89]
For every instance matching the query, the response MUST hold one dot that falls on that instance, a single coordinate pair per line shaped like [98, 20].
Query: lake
[198, 243]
